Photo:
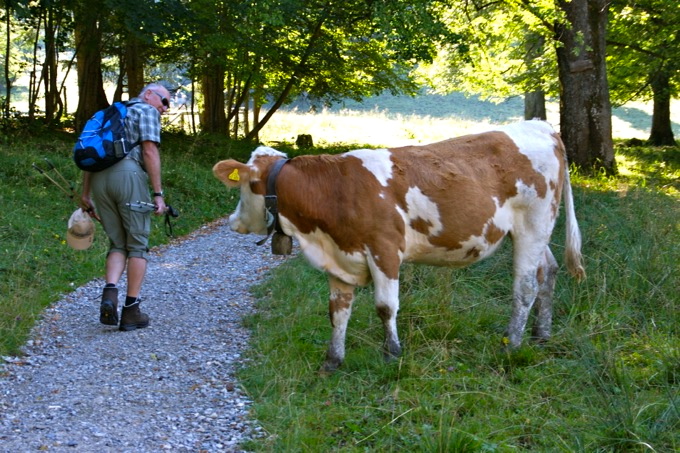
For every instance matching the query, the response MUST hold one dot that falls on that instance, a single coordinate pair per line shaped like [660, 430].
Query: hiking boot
[132, 318]
[108, 310]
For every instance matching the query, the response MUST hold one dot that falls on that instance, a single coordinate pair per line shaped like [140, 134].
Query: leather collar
[270, 201]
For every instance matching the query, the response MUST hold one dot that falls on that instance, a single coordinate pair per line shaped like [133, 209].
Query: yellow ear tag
[234, 175]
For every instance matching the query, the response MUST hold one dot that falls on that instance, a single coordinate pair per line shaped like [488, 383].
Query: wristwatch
[158, 194]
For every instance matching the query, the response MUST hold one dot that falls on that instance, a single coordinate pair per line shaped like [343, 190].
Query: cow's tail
[572, 256]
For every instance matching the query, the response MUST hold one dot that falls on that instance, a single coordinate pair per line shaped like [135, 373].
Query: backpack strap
[129, 104]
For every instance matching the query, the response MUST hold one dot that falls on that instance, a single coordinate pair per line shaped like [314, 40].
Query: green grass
[608, 381]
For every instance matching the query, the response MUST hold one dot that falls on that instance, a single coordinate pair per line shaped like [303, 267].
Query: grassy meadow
[608, 381]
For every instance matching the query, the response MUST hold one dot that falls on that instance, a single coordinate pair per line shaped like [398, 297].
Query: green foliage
[507, 48]
[499, 50]
[642, 40]
[334, 50]
[608, 380]
[413, 29]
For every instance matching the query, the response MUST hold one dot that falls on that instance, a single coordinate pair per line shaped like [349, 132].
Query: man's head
[156, 95]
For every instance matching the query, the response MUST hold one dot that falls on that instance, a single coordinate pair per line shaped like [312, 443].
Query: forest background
[238, 63]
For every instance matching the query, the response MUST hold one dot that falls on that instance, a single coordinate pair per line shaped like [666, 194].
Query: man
[128, 182]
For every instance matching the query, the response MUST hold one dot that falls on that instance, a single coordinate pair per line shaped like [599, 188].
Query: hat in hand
[80, 232]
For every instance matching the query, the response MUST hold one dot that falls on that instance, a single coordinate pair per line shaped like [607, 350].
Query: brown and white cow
[359, 215]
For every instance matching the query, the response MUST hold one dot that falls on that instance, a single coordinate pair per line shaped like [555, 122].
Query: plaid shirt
[143, 123]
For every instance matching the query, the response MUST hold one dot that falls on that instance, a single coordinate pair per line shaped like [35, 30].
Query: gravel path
[83, 386]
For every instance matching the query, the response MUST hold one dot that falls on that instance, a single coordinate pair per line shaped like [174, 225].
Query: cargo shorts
[128, 230]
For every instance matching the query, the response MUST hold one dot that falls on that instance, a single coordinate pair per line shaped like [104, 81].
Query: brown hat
[80, 233]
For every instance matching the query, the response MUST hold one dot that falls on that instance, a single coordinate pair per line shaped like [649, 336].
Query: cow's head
[250, 215]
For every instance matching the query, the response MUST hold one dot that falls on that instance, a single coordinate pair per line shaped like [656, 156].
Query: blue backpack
[102, 142]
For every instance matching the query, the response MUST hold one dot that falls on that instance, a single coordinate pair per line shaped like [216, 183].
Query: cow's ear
[232, 173]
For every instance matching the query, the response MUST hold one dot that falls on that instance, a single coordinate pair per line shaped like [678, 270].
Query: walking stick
[70, 192]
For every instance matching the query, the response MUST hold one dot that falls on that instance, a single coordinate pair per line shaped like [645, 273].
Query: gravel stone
[83, 386]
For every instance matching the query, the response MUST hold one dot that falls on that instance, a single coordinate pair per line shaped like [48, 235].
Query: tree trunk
[246, 112]
[534, 105]
[662, 131]
[257, 106]
[134, 65]
[62, 98]
[50, 67]
[8, 48]
[193, 101]
[91, 95]
[33, 82]
[120, 80]
[534, 100]
[585, 110]
[213, 117]
[292, 80]
[238, 99]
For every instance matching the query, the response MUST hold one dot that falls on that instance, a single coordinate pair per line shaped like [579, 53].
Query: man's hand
[160, 205]
[87, 206]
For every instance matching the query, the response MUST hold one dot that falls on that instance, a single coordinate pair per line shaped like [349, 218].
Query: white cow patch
[526, 192]
[387, 289]
[420, 250]
[264, 151]
[377, 161]
[323, 253]
[533, 138]
[503, 217]
[419, 206]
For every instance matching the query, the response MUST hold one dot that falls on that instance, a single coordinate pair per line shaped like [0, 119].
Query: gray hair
[152, 86]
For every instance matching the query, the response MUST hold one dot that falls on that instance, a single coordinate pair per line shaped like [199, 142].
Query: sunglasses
[164, 100]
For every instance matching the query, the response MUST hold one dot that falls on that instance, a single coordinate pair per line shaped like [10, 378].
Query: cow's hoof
[389, 358]
[540, 341]
[508, 345]
[391, 352]
[330, 367]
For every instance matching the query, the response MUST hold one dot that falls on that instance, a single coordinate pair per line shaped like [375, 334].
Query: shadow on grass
[638, 119]
[451, 106]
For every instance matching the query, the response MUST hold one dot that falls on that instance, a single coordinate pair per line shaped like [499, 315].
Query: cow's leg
[387, 307]
[527, 257]
[339, 311]
[387, 311]
[547, 274]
